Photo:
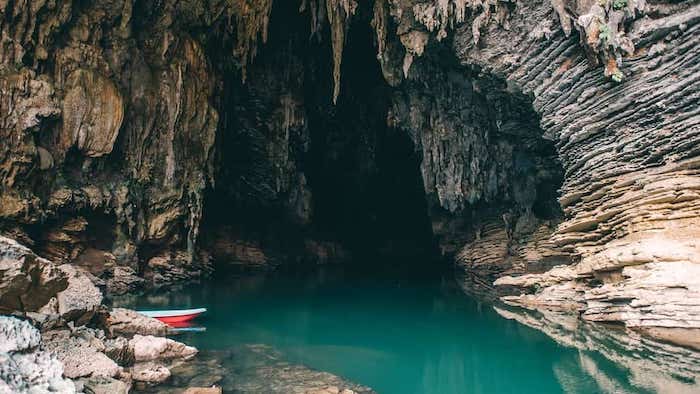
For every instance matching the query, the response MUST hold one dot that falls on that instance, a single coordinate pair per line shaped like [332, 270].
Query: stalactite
[601, 26]
[439, 15]
[339, 13]
[252, 21]
[380, 22]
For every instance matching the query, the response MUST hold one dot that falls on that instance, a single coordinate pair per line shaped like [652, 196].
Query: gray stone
[147, 348]
[27, 282]
[23, 366]
[121, 321]
[104, 385]
[81, 352]
[81, 299]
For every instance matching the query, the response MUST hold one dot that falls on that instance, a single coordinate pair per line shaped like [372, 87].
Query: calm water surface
[414, 332]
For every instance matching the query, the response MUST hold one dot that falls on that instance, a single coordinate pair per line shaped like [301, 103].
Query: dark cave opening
[300, 179]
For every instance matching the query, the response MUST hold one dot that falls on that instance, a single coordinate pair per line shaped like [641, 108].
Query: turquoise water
[397, 333]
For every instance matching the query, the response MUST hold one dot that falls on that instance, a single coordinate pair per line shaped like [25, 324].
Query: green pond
[416, 331]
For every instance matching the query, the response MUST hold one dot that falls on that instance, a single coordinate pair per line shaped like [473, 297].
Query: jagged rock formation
[27, 282]
[555, 142]
[627, 151]
[99, 349]
[23, 365]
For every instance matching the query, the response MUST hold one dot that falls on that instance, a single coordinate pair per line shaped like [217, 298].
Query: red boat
[175, 316]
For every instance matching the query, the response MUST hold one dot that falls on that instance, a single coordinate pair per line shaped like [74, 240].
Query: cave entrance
[301, 180]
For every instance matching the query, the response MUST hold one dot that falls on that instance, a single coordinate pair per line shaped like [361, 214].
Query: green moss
[619, 4]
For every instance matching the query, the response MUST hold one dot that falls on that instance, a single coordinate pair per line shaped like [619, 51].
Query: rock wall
[612, 87]
[556, 141]
[627, 150]
[109, 130]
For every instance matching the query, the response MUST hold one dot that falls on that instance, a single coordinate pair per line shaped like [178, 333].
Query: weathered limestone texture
[24, 366]
[556, 142]
[629, 194]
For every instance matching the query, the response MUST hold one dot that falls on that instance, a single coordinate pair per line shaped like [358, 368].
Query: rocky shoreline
[74, 342]
[57, 335]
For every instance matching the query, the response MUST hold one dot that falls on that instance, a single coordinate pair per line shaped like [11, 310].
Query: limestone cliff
[549, 146]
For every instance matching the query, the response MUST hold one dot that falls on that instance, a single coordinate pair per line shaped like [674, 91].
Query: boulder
[150, 372]
[17, 335]
[121, 321]
[103, 385]
[148, 348]
[23, 366]
[81, 299]
[119, 350]
[81, 352]
[27, 282]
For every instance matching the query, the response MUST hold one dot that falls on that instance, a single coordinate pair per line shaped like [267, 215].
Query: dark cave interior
[298, 177]
[361, 180]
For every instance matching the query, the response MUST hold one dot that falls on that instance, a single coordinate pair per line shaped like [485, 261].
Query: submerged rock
[203, 390]
[256, 369]
[150, 372]
[104, 385]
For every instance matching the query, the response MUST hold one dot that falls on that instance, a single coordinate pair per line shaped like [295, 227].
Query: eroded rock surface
[552, 138]
[27, 282]
[23, 365]
[148, 348]
[121, 321]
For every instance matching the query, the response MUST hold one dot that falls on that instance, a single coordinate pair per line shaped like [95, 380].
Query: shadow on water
[413, 330]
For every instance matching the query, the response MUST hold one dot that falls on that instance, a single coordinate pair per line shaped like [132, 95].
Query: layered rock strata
[555, 141]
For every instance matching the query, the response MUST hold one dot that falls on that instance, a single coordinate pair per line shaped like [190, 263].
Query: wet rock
[27, 282]
[121, 321]
[81, 352]
[203, 390]
[23, 366]
[119, 350]
[150, 372]
[147, 348]
[93, 111]
[104, 385]
[256, 369]
[81, 299]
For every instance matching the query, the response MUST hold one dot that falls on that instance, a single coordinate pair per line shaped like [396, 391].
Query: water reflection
[413, 334]
[652, 366]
